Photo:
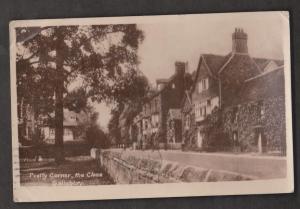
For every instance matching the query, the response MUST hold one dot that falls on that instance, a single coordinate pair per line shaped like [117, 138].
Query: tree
[124, 113]
[95, 136]
[102, 58]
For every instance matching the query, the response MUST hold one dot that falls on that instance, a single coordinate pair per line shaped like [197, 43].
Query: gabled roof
[215, 62]
[242, 67]
[187, 97]
[263, 62]
[265, 85]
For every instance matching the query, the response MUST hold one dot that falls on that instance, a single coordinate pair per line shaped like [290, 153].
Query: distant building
[72, 123]
[151, 123]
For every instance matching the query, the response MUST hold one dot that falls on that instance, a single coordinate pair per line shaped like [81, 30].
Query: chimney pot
[239, 41]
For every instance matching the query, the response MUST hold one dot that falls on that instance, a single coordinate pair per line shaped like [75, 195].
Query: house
[220, 80]
[26, 122]
[72, 122]
[151, 123]
[256, 119]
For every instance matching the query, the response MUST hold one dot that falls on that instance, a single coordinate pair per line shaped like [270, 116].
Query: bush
[215, 137]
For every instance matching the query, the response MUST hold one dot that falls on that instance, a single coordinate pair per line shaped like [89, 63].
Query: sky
[187, 38]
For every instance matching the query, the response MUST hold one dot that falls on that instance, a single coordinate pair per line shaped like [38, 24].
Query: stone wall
[127, 168]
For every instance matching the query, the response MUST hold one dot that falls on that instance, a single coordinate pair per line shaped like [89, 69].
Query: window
[203, 85]
[199, 87]
[52, 131]
[208, 102]
[203, 111]
[173, 86]
[187, 122]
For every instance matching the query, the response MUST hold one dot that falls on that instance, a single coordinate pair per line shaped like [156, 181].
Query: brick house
[256, 118]
[220, 79]
[150, 124]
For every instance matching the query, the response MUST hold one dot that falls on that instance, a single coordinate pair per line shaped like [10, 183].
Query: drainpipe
[220, 92]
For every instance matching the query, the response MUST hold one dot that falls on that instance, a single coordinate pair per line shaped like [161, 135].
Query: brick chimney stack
[180, 67]
[239, 41]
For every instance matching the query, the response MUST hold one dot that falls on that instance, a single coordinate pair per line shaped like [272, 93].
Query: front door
[261, 142]
[199, 139]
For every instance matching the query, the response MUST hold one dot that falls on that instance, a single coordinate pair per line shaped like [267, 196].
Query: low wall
[125, 167]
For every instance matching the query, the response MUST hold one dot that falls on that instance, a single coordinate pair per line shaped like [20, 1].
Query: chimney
[239, 41]
[180, 67]
[161, 83]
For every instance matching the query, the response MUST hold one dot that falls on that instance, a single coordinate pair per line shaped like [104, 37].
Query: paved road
[262, 167]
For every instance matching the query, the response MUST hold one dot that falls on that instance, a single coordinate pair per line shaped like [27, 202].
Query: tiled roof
[215, 62]
[265, 85]
[263, 62]
[242, 67]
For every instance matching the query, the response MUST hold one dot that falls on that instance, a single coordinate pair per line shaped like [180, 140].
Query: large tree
[102, 59]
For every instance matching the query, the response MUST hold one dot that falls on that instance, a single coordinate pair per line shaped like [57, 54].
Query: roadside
[262, 167]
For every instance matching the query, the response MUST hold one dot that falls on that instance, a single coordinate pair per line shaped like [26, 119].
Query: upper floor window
[203, 85]
[173, 86]
[52, 131]
[187, 122]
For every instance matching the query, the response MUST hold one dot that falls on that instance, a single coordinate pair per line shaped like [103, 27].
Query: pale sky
[186, 40]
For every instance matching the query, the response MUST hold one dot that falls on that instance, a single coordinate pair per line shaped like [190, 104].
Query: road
[262, 167]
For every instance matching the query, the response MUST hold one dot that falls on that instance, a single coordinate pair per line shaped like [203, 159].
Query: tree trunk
[59, 118]
[59, 107]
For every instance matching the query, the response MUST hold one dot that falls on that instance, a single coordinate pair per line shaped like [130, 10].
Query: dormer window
[203, 85]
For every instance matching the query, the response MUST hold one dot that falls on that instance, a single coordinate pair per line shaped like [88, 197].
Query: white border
[70, 193]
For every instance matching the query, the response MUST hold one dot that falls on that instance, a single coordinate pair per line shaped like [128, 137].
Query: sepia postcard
[152, 106]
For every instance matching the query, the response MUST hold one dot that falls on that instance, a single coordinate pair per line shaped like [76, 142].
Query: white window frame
[203, 85]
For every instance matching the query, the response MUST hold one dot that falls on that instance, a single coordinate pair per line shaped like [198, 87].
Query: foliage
[102, 57]
[96, 137]
[215, 138]
[113, 125]
[125, 112]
